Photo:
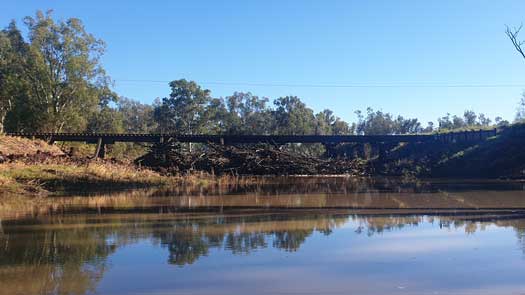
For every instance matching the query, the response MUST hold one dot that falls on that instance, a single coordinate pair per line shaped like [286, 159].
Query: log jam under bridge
[102, 139]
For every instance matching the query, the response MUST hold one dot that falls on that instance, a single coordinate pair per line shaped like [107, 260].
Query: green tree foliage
[500, 122]
[248, 114]
[137, 117]
[520, 112]
[380, 123]
[429, 128]
[328, 124]
[184, 110]
[484, 120]
[469, 120]
[67, 81]
[13, 83]
[293, 117]
[445, 123]
[375, 122]
[216, 116]
[323, 122]
[106, 120]
[340, 127]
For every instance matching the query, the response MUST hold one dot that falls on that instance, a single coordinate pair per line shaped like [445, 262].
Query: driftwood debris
[262, 159]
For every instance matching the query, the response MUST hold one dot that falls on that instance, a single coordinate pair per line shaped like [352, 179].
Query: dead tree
[513, 35]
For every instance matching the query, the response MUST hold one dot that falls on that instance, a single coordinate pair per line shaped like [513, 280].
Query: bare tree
[513, 36]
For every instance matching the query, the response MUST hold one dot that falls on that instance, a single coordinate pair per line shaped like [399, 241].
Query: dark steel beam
[109, 138]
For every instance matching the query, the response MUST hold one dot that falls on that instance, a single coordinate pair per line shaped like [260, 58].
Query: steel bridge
[102, 139]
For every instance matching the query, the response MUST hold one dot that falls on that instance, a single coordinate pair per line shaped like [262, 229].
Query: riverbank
[66, 176]
[501, 156]
[33, 167]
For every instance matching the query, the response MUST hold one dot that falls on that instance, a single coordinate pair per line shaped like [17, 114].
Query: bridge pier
[330, 149]
[382, 150]
[100, 152]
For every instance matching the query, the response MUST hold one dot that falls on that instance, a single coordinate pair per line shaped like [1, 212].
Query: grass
[23, 146]
[94, 176]
[20, 177]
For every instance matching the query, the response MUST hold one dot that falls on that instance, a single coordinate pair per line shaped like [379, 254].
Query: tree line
[52, 80]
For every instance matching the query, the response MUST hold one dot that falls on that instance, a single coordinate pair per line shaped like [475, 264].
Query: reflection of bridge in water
[87, 230]
[103, 139]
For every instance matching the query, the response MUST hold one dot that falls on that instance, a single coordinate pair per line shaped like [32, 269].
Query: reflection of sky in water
[120, 244]
[423, 259]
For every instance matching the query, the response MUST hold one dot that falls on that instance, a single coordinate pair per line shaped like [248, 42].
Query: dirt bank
[501, 156]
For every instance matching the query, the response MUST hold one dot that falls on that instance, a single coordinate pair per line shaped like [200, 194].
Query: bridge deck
[108, 138]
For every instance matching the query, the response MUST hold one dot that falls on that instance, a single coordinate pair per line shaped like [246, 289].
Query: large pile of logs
[246, 160]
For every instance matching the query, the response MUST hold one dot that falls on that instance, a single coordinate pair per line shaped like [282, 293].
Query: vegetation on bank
[501, 156]
[35, 167]
[64, 177]
[37, 172]
[17, 146]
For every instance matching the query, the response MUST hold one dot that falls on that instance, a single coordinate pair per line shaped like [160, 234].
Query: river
[286, 235]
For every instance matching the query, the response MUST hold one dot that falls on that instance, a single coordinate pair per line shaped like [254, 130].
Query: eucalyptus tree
[520, 112]
[322, 127]
[6, 97]
[325, 121]
[375, 123]
[445, 123]
[407, 126]
[340, 127]
[484, 120]
[63, 68]
[248, 114]
[292, 116]
[137, 117]
[183, 111]
[216, 117]
[13, 83]
[469, 117]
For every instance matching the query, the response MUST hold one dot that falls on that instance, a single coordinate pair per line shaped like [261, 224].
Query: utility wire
[351, 85]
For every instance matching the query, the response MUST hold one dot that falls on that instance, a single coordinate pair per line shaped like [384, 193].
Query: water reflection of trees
[191, 239]
[57, 261]
[373, 225]
[333, 185]
[284, 192]
[69, 255]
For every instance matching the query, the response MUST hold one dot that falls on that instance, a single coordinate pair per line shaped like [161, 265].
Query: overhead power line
[349, 85]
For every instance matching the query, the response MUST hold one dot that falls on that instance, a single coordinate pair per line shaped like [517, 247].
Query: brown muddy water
[303, 235]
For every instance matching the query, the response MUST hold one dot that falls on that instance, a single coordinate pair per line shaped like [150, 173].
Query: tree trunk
[2, 119]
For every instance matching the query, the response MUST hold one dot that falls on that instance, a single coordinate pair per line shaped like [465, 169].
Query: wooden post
[381, 151]
[102, 154]
[101, 149]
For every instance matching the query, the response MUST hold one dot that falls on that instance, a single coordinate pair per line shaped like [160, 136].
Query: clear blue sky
[311, 42]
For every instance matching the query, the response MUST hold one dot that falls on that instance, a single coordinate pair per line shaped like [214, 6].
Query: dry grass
[22, 177]
[34, 168]
[67, 176]
[23, 146]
